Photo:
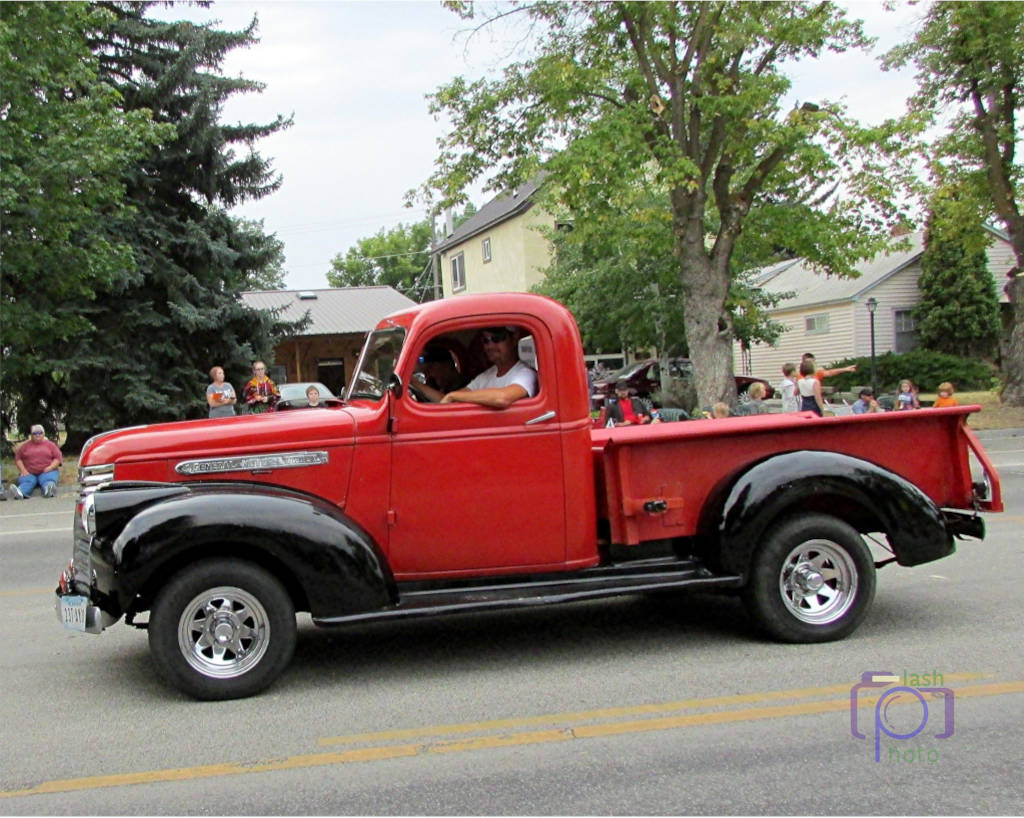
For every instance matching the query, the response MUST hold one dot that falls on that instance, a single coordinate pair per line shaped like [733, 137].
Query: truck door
[477, 488]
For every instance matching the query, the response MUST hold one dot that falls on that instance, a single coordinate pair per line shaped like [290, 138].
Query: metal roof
[812, 287]
[332, 311]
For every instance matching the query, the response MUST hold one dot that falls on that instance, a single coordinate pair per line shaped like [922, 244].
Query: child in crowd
[809, 388]
[757, 393]
[790, 402]
[945, 397]
[720, 410]
[907, 398]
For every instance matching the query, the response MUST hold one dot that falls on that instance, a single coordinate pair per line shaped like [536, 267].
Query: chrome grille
[91, 478]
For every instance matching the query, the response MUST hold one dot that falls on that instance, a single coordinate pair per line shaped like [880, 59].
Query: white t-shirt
[520, 374]
[789, 399]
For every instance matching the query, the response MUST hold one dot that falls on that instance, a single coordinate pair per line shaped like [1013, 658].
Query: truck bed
[654, 481]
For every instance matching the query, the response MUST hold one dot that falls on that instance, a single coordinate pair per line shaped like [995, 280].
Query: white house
[828, 315]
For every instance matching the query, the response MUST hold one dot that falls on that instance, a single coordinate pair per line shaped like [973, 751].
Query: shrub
[925, 368]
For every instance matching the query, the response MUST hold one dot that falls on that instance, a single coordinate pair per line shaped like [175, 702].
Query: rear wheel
[222, 629]
[812, 580]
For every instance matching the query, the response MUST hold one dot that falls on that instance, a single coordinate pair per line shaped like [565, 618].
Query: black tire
[812, 580]
[222, 629]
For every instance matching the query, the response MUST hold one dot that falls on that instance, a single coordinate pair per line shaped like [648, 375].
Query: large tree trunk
[1013, 359]
[705, 289]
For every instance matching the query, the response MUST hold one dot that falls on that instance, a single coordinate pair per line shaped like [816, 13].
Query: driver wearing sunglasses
[507, 380]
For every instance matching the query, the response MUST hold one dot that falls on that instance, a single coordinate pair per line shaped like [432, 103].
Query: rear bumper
[961, 524]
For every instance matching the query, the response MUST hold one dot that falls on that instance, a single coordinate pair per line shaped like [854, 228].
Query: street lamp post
[872, 305]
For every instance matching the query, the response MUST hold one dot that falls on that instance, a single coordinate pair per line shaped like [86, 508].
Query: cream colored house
[828, 315]
[497, 249]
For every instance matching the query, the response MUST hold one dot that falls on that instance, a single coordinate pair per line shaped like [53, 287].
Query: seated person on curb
[624, 410]
[866, 402]
[38, 461]
[507, 381]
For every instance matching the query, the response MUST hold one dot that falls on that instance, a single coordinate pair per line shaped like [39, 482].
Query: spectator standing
[790, 401]
[866, 403]
[260, 392]
[809, 388]
[313, 396]
[38, 461]
[821, 374]
[945, 397]
[907, 397]
[220, 395]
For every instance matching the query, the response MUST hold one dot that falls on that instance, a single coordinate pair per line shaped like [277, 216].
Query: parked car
[644, 378]
[293, 395]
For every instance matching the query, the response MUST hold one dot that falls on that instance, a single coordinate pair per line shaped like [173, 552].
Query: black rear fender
[864, 495]
[328, 563]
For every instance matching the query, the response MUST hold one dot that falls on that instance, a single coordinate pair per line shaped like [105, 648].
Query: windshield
[376, 363]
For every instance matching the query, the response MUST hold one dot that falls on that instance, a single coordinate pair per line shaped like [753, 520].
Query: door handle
[541, 418]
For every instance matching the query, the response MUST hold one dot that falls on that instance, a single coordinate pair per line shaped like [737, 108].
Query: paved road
[634, 705]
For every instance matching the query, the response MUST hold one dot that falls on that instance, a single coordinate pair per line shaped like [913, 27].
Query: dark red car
[644, 379]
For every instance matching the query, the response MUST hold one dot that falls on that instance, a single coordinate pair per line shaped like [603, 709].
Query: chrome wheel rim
[223, 632]
[818, 582]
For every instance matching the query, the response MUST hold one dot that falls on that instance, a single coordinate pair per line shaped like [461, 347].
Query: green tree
[970, 62]
[959, 309]
[690, 95]
[64, 145]
[398, 257]
[160, 327]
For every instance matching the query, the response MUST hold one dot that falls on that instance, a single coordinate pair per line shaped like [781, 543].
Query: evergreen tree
[64, 144]
[959, 310]
[161, 326]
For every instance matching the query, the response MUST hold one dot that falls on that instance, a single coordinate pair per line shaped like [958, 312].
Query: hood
[273, 431]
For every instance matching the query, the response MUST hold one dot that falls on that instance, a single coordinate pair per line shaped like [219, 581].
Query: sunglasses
[37, 434]
[495, 339]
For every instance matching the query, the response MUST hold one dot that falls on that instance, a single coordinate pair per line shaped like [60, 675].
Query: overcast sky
[355, 75]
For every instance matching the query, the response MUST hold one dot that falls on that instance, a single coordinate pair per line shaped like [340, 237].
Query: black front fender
[330, 565]
[867, 496]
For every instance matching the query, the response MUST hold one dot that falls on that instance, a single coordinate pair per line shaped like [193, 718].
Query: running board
[593, 583]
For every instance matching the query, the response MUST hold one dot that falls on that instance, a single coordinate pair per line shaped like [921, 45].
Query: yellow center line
[605, 713]
[28, 591]
[366, 754]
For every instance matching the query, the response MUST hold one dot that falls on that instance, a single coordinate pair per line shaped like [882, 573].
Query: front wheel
[222, 629]
[812, 580]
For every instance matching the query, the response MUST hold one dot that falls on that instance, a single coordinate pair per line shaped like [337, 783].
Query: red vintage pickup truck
[386, 505]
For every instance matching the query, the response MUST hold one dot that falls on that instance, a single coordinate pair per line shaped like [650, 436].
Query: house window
[485, 247]
[458, 273]
[816, 324]
[905, 333]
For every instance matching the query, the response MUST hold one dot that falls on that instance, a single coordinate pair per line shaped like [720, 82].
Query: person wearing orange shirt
[821, 374]
[945, 397]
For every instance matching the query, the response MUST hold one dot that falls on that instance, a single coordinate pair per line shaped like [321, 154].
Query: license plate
[72, 612]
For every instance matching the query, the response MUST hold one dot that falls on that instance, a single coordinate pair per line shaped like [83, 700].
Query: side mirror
[395, 385]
